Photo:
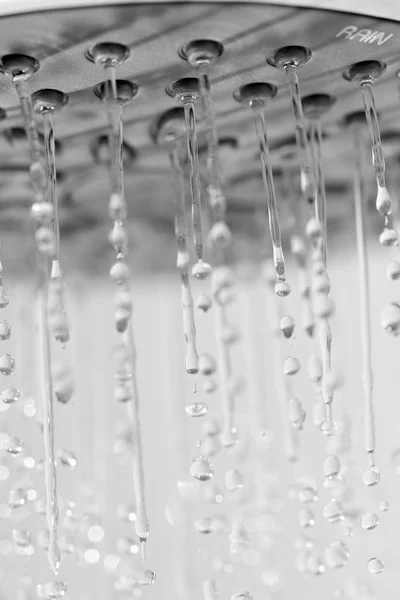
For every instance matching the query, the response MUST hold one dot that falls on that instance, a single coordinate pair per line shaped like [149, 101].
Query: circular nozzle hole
[296, 56]
[100, 150]
[316, 105]
[108, 52]
[366, 70]
[201, 52]
[255, 93]
[169, 126]
[126, 90]
[49, 100]
[19, 65]
[356, 117]
[185, 87]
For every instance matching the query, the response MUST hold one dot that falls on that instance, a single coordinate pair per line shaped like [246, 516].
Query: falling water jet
[315, 106]
[289, 59]
[186, 91]
[115, 94]
[257, 95]
[222, 278]
[169, 130]
[20, 67]
[365, 73]
[365, 309]
[47, 102]
[46, 388]
[290, 437]
[202, 54]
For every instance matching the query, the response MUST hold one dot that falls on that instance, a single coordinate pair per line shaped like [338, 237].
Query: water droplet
[209, 385]
[225, 296]
[229, 438]
[324, 306]
[296, 413]
[393, 270]
[272, 579]
[223, 277]
[332, 382]
[119, 272]
[117, 207]
[5, 331]
[14, 446]
[287, 325]
[118, 237]
[122, 393]
[211, 427]
[337, 555]
[318, 267]
[42, 212]
[64, 388]
[230, 334]
[313, 229]
[201, 270]
[375, 566]
[233, 480]
[329, 427]
[291, 365]
[145, 577]
[45, 240]
[242, 596]
[21, 537]
[390, 318]
[7, 364]
[321, 283]
[17, 497]
[369, 521]
[220, 234]
[389, 237]
[204, 525]
[67, 459]
[204, 302]
[282, 289]
[188, 489]
[371, 476]
[298, 247]
[121, 319]
[196, 409]
[52, 589]
[331, 466]
[314, 565]
[307, 495]
[333, 511]
[306, 518]
[207, 364]
[201, 469]
[10, 395]
[384, 505]
[383, 201]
